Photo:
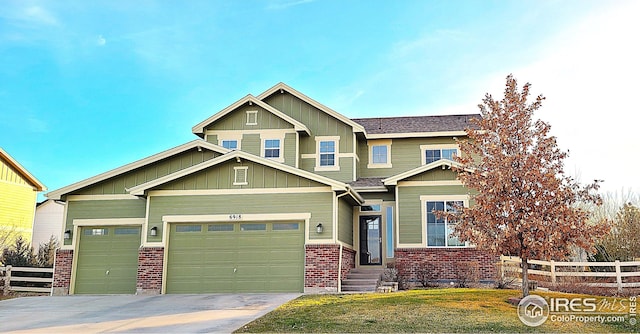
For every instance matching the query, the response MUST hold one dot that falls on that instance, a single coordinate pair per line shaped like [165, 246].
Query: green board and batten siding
[103, 209]
[345, 222]
[319, 124]
[237, 120]
[107, 260]
[236, 257]
[119, 184]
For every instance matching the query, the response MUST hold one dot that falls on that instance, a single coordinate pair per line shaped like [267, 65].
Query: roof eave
[58, 193]
[35, 183]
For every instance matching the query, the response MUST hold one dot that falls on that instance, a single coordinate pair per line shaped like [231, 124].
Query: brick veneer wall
[321, 268]
[149, 281]
[348, 261]
[446, 260]
[62, 272]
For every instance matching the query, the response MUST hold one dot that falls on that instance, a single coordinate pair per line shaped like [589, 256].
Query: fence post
[618, 276]
[553, 271]
[7, 280]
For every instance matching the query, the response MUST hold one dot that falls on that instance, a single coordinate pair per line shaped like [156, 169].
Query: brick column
[321, 268]
[62, 272]
[149, 281]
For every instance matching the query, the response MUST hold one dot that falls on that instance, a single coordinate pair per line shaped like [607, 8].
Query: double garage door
[201, 258]
[235, 257]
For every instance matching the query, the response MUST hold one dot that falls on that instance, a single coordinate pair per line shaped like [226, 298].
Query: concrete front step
[363, 276]
[358, 288]
[349, 281]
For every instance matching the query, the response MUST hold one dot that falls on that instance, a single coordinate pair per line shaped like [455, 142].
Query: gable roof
[441, 125]
[57, 194]
[35, 183]
[392, 181]
[199, 128]
[282, 86]
[139, 190]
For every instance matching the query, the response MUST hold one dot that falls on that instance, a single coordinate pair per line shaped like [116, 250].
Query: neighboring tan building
[279, 193]
[18, 193]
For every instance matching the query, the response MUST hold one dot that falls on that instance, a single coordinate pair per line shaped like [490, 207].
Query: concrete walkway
[212, 313]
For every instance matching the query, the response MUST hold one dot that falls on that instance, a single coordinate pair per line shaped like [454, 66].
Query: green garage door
[235, 257]
[107, 260]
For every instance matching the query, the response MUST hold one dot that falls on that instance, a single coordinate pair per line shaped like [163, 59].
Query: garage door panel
[237, 257]
[107, 260]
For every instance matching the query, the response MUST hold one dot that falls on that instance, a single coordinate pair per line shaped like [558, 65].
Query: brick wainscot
[321, 267]
[445, 261]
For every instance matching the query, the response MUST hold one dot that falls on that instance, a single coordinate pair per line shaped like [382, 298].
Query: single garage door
[236, 257]
[107, 260]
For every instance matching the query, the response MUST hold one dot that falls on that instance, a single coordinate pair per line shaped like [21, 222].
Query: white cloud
[101, 41]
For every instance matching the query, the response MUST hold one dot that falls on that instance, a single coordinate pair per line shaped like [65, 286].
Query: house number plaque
[235, 216]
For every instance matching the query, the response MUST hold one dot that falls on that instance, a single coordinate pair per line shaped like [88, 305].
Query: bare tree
[525, 205]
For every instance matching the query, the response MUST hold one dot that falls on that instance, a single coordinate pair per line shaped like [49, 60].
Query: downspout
[340, 255]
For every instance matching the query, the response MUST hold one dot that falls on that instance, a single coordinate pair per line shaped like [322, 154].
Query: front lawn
[435, 310]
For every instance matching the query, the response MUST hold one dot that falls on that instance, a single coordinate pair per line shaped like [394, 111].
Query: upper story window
[439, 230]
[272, 148]
[379, 154]
[327, 155]
[252, 117]
[230, 144]
[431, 153]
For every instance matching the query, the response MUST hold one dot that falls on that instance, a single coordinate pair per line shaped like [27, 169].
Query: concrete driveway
[212, 313]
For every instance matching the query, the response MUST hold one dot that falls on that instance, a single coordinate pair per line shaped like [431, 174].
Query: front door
[370, 240]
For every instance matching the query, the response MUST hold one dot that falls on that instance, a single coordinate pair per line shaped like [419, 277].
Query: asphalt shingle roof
[411, 124]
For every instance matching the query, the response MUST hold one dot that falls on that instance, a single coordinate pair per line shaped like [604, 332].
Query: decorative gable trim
[442, 163]
[282, 86]
[238, 156]
[198, 143]
[35, 183]
[199, 128]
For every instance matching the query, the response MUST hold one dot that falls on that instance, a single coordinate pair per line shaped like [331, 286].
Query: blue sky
[87, 86]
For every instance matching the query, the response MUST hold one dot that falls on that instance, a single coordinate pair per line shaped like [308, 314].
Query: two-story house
[278, 193]
[18, 193]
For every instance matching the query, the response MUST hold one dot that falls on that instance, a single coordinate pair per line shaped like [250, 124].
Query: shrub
[467, 272]
[20, 254]
[426, 274]
[506, 275]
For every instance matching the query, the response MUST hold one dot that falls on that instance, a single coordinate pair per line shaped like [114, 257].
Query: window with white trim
[379, 153]
[431, 153]
[272, 148]
[240, 175]
[252, 117]
[440, 229]
[230, 144]
[327, 153]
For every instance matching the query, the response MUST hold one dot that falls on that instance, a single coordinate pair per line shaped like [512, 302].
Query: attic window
[240, 177]
[252, 117]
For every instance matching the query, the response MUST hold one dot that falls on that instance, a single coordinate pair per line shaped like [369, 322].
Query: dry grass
[435, 310]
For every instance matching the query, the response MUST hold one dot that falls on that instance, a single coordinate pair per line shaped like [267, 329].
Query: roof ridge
[416, 116]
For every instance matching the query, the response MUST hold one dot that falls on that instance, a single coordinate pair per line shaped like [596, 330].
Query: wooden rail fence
[15, 279]
[554, 270]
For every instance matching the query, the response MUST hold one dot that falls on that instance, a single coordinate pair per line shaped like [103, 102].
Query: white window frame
[252, 117]
[230, 140]
[336, 143]
[228, 137]
[424, 148]
[371, 144]
[263, 148]
[440, 198]
[240, 175]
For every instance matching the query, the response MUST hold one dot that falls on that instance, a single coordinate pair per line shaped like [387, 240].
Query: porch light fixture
[319, 228]
[154, 231]
[67, 234]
